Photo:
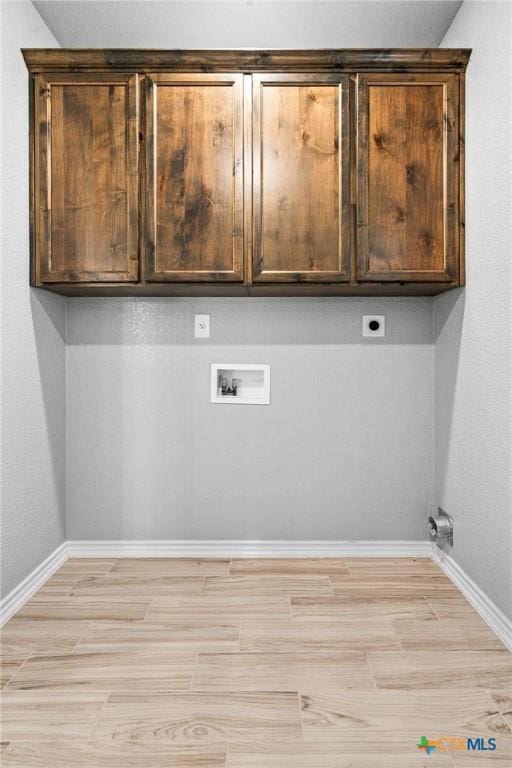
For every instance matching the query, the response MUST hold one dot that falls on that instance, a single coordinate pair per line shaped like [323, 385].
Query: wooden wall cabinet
[408, 177]
[301, 193]
[85, 195]
[194, 177]
[247, 172]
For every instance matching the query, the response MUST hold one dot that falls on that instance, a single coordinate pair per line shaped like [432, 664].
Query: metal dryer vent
[440, 527]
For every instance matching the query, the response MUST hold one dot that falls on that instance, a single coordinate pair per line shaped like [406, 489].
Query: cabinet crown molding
[244, 60]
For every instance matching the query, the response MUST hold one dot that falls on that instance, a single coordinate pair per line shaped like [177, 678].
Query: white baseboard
[34, 581]
[490, 613]
[229, 548]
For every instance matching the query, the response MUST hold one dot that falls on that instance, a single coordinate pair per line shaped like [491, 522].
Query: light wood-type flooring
[251, 663]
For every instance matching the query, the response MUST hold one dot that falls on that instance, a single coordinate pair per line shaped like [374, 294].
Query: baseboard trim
[228, 548]
[489, 612]
[34, 581]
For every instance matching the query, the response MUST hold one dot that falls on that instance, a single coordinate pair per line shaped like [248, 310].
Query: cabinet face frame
[451, 177]
[153, 81]
[41, 156]
[342, 274]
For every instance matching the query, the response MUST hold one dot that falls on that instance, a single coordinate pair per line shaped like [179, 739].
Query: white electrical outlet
[202, 326]
[374, 325]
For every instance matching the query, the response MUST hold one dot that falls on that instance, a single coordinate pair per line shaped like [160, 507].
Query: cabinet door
[301, 220]
[85, 178]
[408, 177]
[194, 204]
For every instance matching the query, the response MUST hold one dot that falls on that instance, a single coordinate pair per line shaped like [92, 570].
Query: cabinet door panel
[86, 178]
[408, 177]
[195, 177]
[301, 166]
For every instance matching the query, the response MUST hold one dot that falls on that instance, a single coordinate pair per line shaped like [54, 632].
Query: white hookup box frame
[250, 381]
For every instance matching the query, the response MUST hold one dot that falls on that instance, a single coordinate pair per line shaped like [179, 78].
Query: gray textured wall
[474, 327]
[33, 356]
[246, 24]
[344, 451]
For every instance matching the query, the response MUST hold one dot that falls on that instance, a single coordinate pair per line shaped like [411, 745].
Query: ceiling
[247, 23]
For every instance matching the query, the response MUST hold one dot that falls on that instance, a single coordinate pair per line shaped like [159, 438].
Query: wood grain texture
[194, 205]
[260, 289]
[244, 60]
[326, 717]
[26, 636]
[217, 608]
[281, 671]
[300, 173]
[503, 700]
[492, 760]
[250, 670]
[179, 161]
[451, 607]
[82, 608]
[261, 586]
[417, 670]
[9, 665]
[42, 715]
[171, 566]
[86, 178]
[347, 635]
[391, 566]
[289, 566]
[105, 753]
[199, 718]
[341, 608]
[79, 567]
[56, 586]
[379, 584]
[137, 587]
[447, 634]
[141, 636]
[106, 671]
[355, 751]
[408, 177]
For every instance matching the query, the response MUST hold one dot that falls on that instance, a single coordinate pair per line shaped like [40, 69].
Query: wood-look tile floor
[284, 663]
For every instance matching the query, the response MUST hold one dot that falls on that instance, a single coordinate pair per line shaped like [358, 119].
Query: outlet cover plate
[202, 326]
[380, 331]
